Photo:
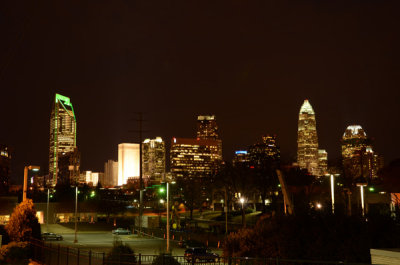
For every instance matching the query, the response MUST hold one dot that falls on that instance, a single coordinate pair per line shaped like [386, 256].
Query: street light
[26, 168]
[332, 190]
[161, 190]
[243, 216]
[76, 213]
[361, 182]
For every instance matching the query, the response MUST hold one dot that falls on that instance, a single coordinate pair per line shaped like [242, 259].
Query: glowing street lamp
[361, 182]
[333, 190]
[26, 168]
[243, 215]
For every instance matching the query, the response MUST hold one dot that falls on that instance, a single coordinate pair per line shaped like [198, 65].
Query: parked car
[190, 244]
[121, 231]
[51, 236]
[198, 254]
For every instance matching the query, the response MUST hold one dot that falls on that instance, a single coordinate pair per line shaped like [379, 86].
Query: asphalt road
[103, 241]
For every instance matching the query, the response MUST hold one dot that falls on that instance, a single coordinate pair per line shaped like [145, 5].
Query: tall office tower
[128, 162]
[359, 159]
[110, 174]
[266, 151]
[194, 157]
[307, 140]
[68, 167]
[153, 159]
[62, 133]
[323, 161]
[5, 168]
[207, 127]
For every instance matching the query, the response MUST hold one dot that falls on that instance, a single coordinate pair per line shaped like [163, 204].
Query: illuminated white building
[128, 162]
[90, 178]
[307, 140]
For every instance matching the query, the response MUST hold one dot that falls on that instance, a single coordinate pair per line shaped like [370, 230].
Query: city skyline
[245, 63]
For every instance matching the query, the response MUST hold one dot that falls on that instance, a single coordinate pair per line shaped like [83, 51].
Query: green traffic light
[161, 190]
[371, 189]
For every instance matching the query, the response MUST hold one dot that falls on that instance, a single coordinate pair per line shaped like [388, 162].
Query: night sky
[252, 63]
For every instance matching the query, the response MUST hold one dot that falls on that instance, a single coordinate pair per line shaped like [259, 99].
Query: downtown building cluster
[190, 157]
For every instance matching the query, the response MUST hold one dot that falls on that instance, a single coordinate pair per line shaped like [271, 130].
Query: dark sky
[252, 63]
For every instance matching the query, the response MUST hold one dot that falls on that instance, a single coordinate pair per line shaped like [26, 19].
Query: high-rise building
[153, 159]
[110, 174]
[62, 133]
[207, 127]
[307, 140]
[128, 162]
[194, 157]
[5, 168]
[69, 167]
[266, 150]
[323, 161]
[359, 159]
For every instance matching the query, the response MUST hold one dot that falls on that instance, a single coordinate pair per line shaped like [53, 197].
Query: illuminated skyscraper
[194, 157]
[322, 161]
[359, 159]
[307, 139]
[154, 159]
[62, 133]
[207, 127]
[128, 162]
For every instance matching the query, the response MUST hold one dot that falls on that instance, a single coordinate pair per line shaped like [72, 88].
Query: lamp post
[167, 217]
[76, 214]
[362, 182]
[26, 168]
[332, 190]
[47, 211]
[243, 215]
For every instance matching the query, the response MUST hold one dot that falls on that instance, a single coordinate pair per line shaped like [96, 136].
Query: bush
[23, 223]
[165, 259]
[121, 253]
[14, 253]
[309, 237]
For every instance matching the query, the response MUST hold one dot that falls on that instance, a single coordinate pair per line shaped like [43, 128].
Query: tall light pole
[76, 214]
[167, 217]
[47, 211]
[243, 215]
[332, 180]
[333, 193]
[26, 168]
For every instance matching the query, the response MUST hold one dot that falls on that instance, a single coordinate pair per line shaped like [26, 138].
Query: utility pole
[141, 186]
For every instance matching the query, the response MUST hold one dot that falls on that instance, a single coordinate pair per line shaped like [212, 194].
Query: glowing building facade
[153, 159]
[241, 156]
[128, 162]
[323, 161]
[207, 127]
[307, 140]
[62, 133]
[194, 157]
[359, 159]
[110, 174]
